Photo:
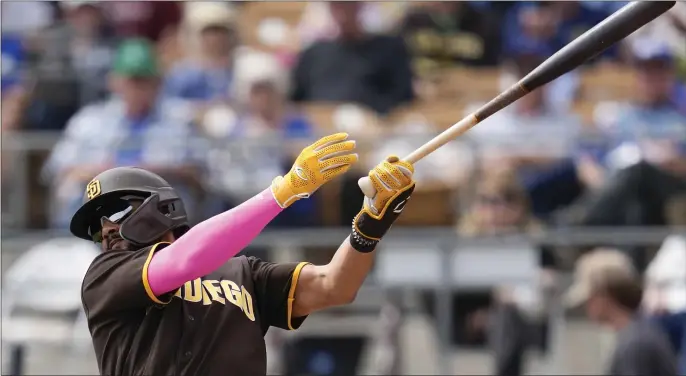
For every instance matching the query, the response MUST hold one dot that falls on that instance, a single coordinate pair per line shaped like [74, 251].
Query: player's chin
[120, 245]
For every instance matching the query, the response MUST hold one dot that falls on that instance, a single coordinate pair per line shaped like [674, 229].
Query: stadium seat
[46, 281]
[432, 205]
[340, 117]
[468, 84]
[607, 83]
[439, 114]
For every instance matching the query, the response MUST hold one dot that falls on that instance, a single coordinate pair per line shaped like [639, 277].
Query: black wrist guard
[368, 229]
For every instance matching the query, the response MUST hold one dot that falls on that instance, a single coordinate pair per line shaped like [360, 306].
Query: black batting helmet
[161, 210]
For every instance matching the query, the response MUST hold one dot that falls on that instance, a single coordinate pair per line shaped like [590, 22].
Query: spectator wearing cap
[260, 118]
[207, 74]
[610, 289]
[134, 127]
[642, 166]
[669, 29]
[355, 67]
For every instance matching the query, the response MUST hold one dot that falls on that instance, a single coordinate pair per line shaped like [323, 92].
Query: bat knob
[367, 187]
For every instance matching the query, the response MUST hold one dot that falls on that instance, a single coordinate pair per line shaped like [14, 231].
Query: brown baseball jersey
[214, 325]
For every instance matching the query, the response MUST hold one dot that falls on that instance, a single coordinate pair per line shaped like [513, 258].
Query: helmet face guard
[159, 213]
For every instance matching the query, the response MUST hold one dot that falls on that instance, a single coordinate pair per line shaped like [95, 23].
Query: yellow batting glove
[392, 180]
[317, 164]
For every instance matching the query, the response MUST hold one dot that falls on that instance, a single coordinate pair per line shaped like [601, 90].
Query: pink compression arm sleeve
[210, 244]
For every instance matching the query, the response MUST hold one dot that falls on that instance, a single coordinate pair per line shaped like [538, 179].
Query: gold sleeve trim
[146, 283]
[291, 292]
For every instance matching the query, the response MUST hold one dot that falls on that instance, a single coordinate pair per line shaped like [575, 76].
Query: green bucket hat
[136, 58]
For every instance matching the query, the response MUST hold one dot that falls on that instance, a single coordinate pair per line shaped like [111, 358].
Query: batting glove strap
[362, 243]
[368, 229]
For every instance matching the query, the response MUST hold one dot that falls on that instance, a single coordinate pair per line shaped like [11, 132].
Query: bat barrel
[611, 30]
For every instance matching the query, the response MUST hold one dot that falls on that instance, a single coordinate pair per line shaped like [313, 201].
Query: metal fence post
[17, 360]
[444, 311]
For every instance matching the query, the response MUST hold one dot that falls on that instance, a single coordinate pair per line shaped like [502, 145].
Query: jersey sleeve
[118, 280]
[275, 286]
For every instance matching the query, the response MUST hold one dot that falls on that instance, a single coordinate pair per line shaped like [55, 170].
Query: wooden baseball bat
[613, 29]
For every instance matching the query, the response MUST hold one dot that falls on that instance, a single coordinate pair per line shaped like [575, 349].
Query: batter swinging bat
[614, 28]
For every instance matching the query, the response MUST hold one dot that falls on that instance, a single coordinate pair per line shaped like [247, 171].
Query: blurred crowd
[183, 88]
[218, 97]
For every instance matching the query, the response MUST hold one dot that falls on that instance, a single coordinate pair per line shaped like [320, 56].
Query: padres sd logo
[93, 189]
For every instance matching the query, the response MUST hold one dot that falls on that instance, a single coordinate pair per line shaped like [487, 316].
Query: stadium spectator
[446, 33]
[534, 139]
[531, 29]
[207, 73]
[665, 290]
[135, 127]
[257, 126]
[647, 146]
[674, 324]
[260, 92]
[608, 286]
[356, 67]
[528, 28]
[73, 57]
[90, 45]
[507, 324]
[549, 26]
[669, 30]
[573, 18]
[502, 207]
[316, 22]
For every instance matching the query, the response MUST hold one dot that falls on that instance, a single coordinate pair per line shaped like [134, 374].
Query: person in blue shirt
[549, 26]
[641, 163]
[528, 28]
[575, 18]
[674, 325]
[12, 93]
[265, 125]
[12, 59]
[135, 126]
[207, 74]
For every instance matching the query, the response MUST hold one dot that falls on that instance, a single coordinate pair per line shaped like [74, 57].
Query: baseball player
[166, 299]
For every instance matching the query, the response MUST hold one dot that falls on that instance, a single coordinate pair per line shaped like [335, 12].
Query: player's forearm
[346, 272]
[334, 284]
[211, 243]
